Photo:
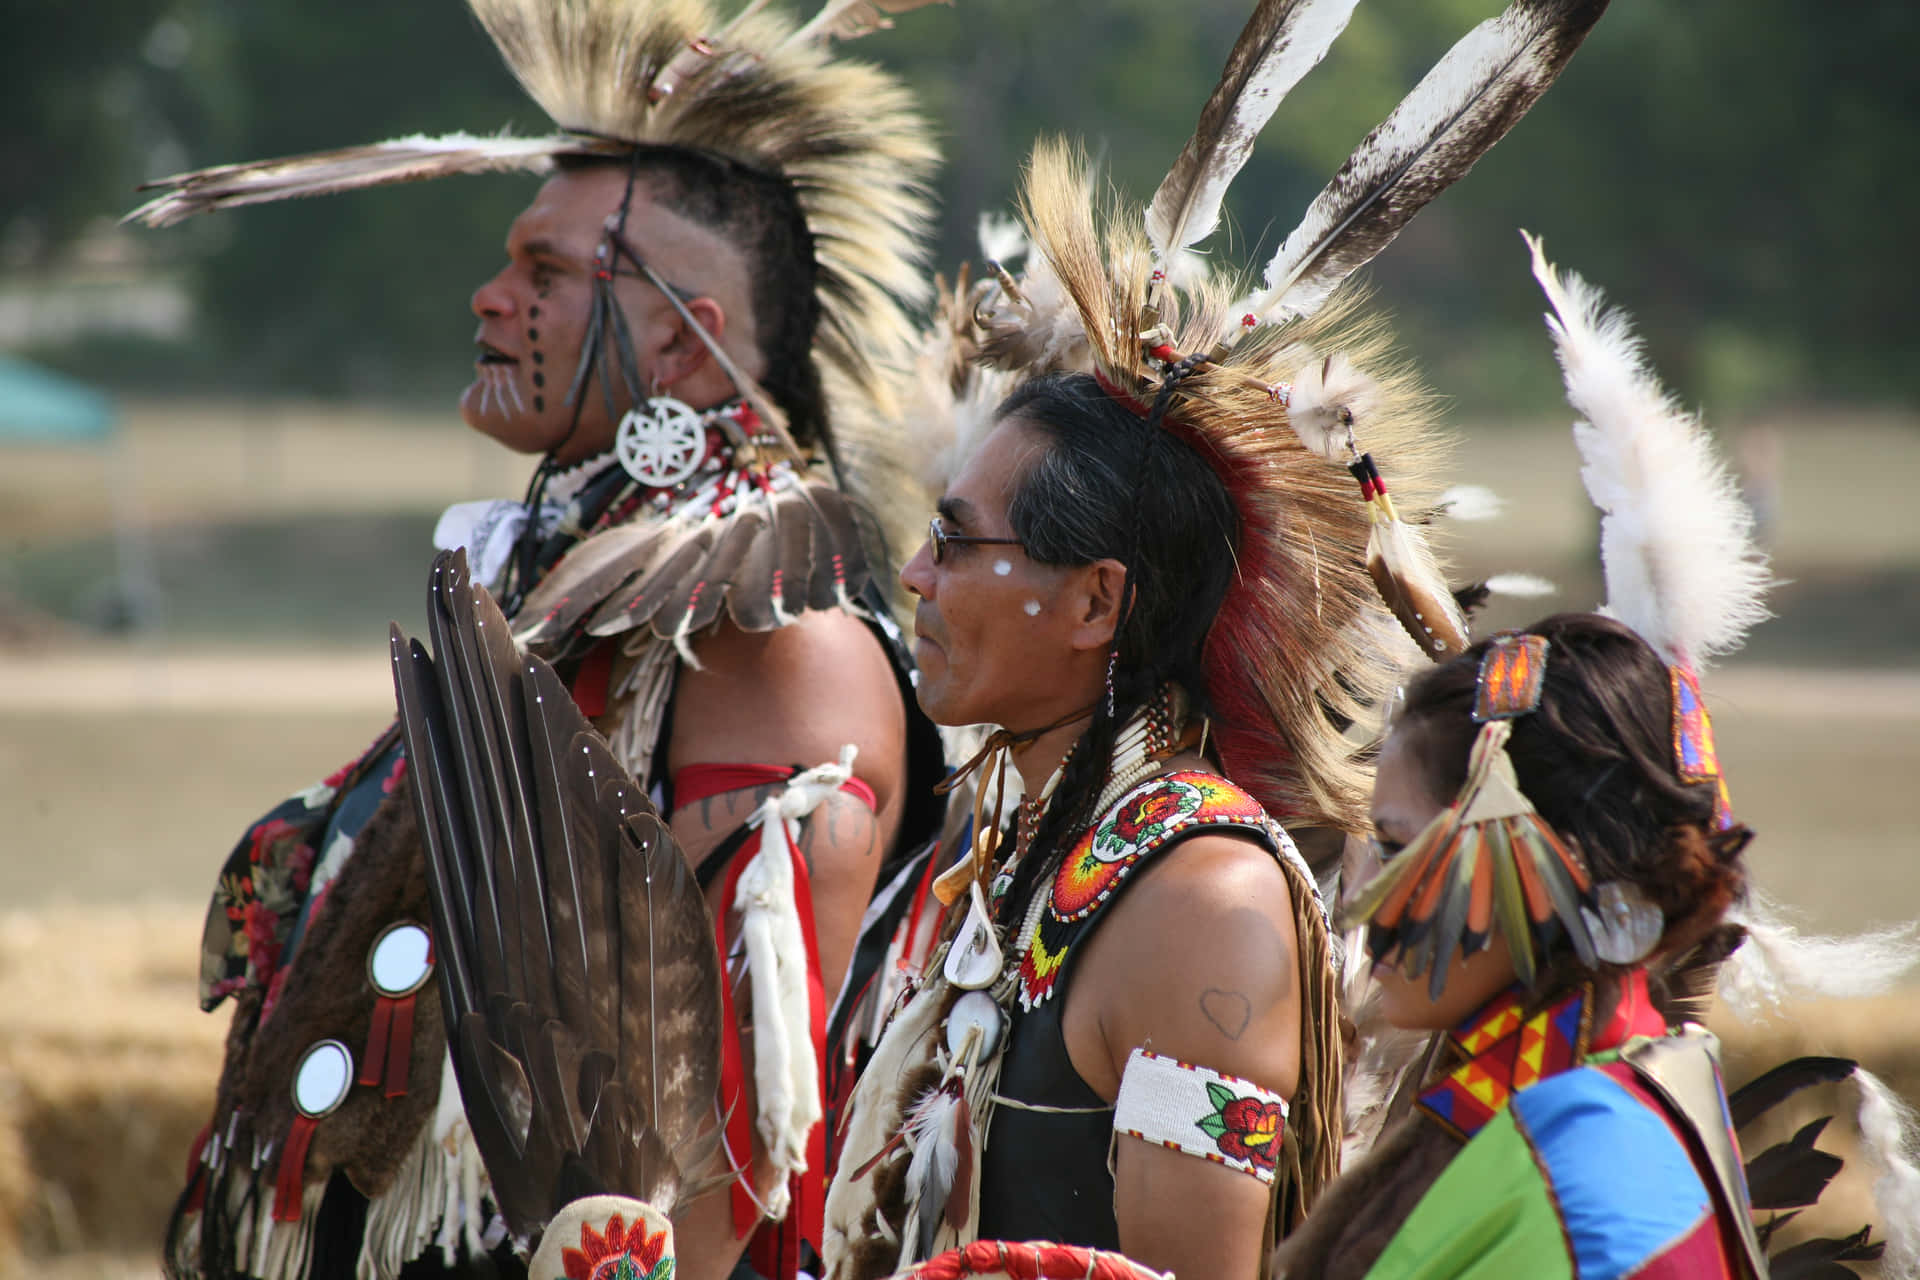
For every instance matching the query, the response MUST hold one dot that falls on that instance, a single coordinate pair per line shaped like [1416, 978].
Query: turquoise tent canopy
[38, 404]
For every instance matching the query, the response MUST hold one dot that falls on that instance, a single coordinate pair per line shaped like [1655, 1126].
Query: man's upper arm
[1198, 963]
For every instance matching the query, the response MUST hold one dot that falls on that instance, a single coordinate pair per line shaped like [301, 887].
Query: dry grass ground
[127, 772]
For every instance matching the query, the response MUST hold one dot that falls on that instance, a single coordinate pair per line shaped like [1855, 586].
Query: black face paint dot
[533, 335]
[539, 404]
[533, 313]
[539, 358]
[539, 379]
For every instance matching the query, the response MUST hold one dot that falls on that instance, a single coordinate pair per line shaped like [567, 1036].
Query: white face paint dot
[1033, 608]
[1003, 567]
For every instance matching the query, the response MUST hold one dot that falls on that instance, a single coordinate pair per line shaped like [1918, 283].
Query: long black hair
[1110, 484]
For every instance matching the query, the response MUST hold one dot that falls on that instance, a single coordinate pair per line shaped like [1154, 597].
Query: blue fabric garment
[1625, 1185]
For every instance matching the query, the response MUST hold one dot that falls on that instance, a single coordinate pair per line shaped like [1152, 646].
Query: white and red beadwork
[1201, 1112]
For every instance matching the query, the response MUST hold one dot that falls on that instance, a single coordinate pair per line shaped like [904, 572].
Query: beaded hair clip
[1488, 859]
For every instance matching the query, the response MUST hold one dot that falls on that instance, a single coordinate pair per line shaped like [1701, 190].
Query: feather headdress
[672, 73]
[1293, 654]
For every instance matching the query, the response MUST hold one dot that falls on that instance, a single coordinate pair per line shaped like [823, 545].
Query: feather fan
[1460, 109]
[579, 980]
[1676, 540]
[1282, 41]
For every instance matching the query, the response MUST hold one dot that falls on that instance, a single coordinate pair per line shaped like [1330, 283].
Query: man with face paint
[693, 318]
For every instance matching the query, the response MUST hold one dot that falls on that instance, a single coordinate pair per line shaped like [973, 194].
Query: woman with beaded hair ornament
[1560, 864]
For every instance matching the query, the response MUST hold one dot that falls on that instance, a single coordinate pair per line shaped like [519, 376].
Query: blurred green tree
[1735, 171]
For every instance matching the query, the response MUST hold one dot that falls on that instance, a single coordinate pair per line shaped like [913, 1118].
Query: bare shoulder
[1215, 904]
[795, 695]
[1199, 960]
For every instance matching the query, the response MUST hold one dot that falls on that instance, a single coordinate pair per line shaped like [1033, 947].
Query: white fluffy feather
[1675, 538]
[1778, 965]
[1002, 238]
[1526, 586]
[1470, 502]
[1888, 1132]
[1331, 399]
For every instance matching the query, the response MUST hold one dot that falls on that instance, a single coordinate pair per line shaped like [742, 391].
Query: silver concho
[662, 443]
[321, 1081]
[401, 959]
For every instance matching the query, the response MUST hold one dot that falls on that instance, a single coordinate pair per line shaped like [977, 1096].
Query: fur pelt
[326, 995]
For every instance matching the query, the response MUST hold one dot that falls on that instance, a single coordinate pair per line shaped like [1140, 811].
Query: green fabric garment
[1489, 1216]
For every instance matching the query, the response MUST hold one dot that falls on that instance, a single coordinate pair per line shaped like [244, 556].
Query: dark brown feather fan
[579, 981]
[776, 555]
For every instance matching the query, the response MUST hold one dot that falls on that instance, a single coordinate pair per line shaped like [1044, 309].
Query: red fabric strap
[379, 1031]
[289, 1186]
[591, 681]
[696, 782]
[400, 1047]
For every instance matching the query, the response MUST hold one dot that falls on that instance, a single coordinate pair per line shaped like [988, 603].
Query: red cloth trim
[1634, 1015]
[288, 1188]
[400, 1047]
[693, 783]
[379, 1031]
[591, 681]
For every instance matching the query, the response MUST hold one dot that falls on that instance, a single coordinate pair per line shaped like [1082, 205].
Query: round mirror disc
[321, 1082]
[400, 962]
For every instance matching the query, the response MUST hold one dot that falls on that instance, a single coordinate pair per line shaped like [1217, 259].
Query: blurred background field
[194, 600]
[128, 765]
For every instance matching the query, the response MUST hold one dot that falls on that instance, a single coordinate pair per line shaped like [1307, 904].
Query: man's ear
[682, 354]
[1096, 601]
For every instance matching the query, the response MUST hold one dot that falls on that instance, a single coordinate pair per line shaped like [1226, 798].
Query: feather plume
[415, 158]
[583, 993]
[851, 19]
[1330, 397]
[933, 1134]
[1778, 965]
[1282, 41]
[1470, 502]
[1520, 585]
[1002, 239]
[1464, 105]
[1676, 540]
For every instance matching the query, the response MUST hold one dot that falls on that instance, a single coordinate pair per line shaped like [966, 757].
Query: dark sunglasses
[937, 534]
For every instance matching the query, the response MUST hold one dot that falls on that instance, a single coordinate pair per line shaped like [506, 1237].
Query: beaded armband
[1196, 1110]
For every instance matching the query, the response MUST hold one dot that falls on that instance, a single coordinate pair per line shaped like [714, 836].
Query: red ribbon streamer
[288, 1190]
[389, 1046]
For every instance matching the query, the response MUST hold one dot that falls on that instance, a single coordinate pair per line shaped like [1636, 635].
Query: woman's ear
[1096, 600]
